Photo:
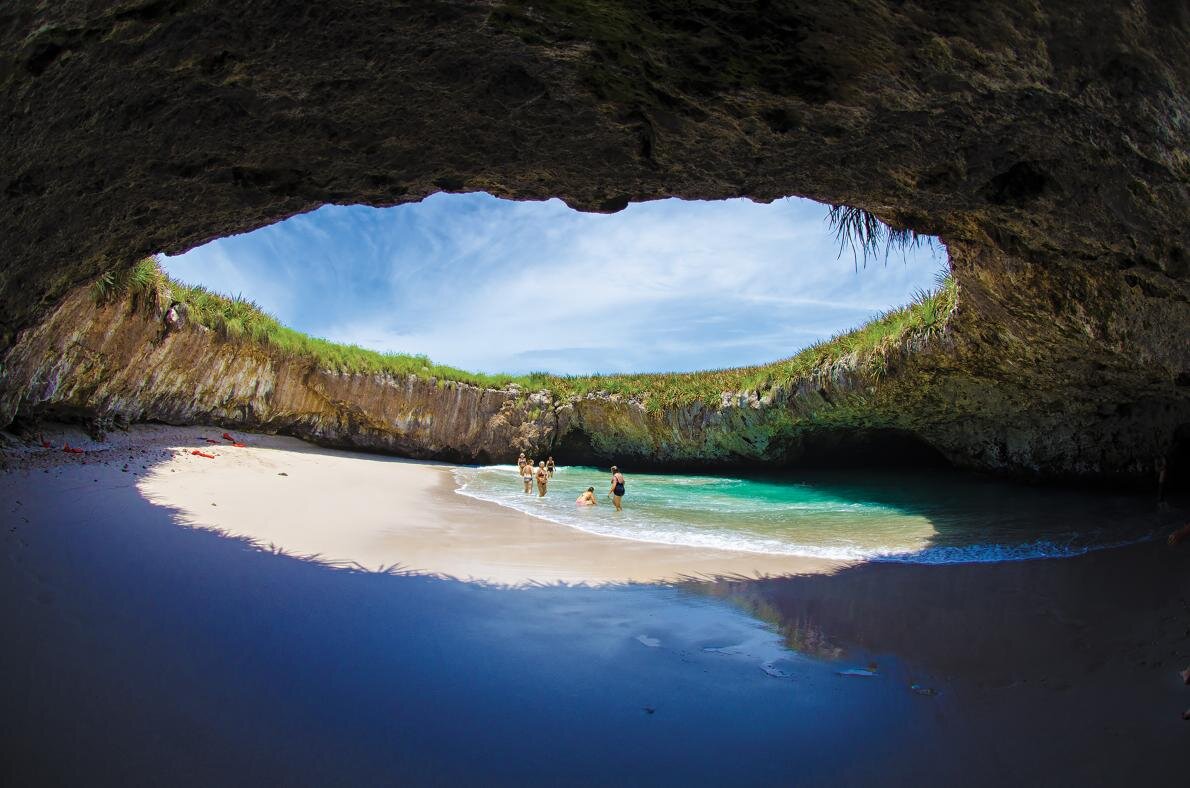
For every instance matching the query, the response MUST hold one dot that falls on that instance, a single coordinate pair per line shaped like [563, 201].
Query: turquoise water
[921, 517]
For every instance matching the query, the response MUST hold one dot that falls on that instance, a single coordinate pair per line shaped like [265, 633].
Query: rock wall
[1045, 143]
[117, 362]
[1045, 131]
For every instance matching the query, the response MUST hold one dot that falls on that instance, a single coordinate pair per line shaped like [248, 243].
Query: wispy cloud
[495, 285]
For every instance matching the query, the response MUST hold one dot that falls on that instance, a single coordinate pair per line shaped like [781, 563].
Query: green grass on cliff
[237, 319]
[872, 344]
[240, 320]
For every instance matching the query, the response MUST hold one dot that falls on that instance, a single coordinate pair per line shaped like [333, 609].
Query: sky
[493, 285]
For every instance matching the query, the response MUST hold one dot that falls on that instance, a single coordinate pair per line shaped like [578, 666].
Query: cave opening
[505, 287]
[1045, 142]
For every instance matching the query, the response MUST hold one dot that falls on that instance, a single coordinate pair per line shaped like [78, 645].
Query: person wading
[617, 491]
[527, 475]
[549, 466]
[543, 479]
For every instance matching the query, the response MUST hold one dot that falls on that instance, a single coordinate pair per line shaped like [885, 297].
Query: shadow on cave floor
[990, 624]
[139, 649]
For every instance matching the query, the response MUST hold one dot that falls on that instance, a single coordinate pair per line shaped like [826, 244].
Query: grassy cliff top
[241, 320]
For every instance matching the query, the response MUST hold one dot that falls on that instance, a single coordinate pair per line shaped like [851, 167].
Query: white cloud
[493, 285]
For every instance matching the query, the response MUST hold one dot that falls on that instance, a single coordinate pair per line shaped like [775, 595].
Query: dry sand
[378, 512]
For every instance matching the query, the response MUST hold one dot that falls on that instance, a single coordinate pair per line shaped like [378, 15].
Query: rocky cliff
[118, 363]
[1045, 143]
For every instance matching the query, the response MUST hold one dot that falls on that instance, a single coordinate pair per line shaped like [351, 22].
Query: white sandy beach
[376, 512]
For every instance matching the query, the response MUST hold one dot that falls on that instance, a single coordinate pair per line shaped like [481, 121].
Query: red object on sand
[239, 445]
[47, 444]
[212, 440]
[228, 437]
[71, 450]
[198, 453]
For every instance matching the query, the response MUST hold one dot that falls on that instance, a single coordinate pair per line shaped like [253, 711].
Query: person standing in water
[587, 498]
[549, 466]
[617, 491]
[543, 479]
[527, 476]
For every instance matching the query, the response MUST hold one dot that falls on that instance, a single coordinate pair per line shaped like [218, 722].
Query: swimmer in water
[587, 498]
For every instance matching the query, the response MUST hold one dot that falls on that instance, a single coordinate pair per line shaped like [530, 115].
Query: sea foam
[903, 518]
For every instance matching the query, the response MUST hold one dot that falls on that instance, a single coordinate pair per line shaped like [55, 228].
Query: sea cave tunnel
[135, 129]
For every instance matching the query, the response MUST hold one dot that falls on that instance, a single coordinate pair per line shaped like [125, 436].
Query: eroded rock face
[121, 363]
[118, 362]
[1045, 143]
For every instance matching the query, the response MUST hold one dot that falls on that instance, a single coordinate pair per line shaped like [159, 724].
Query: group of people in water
[543, 471]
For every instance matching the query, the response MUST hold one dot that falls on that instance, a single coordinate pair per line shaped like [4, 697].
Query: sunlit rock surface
[1045, 143]
[117, 363]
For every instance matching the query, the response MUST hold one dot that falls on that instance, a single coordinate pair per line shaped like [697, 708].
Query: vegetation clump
[864, 233]
[237, 319]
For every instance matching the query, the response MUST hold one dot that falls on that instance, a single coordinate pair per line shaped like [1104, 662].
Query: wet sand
[140, 651]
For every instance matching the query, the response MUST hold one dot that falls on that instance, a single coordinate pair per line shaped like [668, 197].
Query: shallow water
[920, 516]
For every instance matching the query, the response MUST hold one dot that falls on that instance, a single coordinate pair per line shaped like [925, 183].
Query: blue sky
[499, 286]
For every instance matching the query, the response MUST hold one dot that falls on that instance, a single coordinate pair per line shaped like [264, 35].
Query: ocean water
[927, 516]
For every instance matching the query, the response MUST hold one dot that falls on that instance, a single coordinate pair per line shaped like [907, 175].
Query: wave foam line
[938, 555]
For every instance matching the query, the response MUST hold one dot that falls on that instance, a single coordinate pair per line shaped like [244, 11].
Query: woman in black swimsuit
[617, 491]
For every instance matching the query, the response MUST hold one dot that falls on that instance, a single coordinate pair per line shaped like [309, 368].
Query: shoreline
[354, 509]
[360, 509]
[976, 553]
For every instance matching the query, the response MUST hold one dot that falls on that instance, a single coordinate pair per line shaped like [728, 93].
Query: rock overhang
[1045, 145]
